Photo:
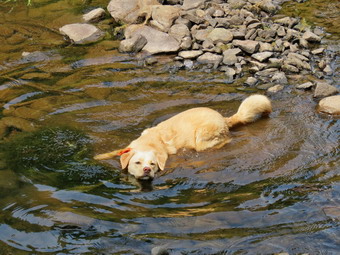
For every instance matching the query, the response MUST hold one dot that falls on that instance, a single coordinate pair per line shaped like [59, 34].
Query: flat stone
[330, 105]
[133, 44]
[158, 42]
[189, 54]
[248, 46]
[202, 34]
[94, 15]
[82, 33]
[191, 4]
[275, 88]
[279, 78]
[266, 47]
[318, 51]
[210, 58]
[251, 81]
[290, 68]
[306, 85]
[311, 37]
[220, 35]
[262, 56]
[323, 89]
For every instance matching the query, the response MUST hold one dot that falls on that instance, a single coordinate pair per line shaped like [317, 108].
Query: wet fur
[198, 129]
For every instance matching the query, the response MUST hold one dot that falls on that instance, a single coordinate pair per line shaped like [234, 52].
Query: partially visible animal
[197, 128]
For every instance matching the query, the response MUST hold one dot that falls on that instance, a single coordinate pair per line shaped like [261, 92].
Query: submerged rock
[82, 33]
[330, 105]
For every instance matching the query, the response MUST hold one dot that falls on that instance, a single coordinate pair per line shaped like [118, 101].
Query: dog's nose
[147, 170]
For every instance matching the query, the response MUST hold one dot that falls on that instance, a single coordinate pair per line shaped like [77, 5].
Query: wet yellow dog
[198, 129]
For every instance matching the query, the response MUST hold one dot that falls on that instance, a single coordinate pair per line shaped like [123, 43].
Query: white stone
[82, 33]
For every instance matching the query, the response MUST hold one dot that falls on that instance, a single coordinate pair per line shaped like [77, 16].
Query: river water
[274, 188]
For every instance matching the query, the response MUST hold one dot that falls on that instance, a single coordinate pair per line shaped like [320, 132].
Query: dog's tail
[250, 110]
[112, 154]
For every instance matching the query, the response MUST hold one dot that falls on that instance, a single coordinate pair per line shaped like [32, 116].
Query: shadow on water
[274, 188]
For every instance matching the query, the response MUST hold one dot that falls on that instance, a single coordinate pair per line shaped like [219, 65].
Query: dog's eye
[137, 163]
[152, 164]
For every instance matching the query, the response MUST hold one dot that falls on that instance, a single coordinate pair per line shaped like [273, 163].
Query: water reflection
[274, 188]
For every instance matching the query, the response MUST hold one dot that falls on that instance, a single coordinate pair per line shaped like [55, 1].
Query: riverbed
[274, 188]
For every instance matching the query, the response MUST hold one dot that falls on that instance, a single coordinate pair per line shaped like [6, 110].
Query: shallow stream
[274, 188]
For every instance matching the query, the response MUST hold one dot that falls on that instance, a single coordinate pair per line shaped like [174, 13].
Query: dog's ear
[161, 159]
[125, 158]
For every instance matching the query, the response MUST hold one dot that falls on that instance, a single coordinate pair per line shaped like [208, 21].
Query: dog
[197, 128]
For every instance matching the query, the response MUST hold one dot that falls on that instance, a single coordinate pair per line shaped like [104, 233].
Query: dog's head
[143, 164]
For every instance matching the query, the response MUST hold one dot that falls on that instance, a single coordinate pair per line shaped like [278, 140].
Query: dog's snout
[147, 170]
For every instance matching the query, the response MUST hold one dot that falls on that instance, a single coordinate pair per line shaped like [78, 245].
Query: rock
[133, 44]
[82, 33]
[220, 35]
[330, 105]
[267, 6]
[311, 37]
[179, 31]
[230, 73]
[265, 47]
[248, 46]
[328, 70]
[202, 34]
[210, 58]
[229, 57]
[186, 43]
[251, 81]
[94, 15]
[323, 89]
[163, 16]
[286, 21]
[208, 45]
[189, 54]
[275, 88]
[306, 85]
[160, 250]
[236, 4]
[158, 42]
[126, 11]
[279, 78]
[189, 64]
[318, 51]
[191, 4]
[297, 60]
[262, 56]
[281, 31]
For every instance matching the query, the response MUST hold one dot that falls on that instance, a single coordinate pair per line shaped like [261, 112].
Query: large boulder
[157, 41]
[126, 11]
[82, 33]
[330, 105]
[163, 16]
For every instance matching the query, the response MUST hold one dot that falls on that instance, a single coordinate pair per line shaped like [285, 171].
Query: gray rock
[133, 44]
[220, 35]
[286, 21]
[236, 4]
[311, 37]
[275, 89]
[306, 85]
[318, 51]
[328, 70]
[189, 64]
[279, 78]
[210, 58]
[186, 43]
[126, 11]
[248, 46]
[281, 31]
[163, 16]
[160, 250]
[323, 89]
[82, 33]
[251, 81]
[201, 34]
[266, 47]
[290, 68]
[191, 4]
[330, 105]
[262, 56]
[208, 45]
[179, 31]
[94, 15]
[229, 57]
[267, 6]
[158, 42]
[230, 73]
[188, 54]
[303, 43]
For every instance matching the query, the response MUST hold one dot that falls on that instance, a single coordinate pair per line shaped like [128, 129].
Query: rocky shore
[242, 38]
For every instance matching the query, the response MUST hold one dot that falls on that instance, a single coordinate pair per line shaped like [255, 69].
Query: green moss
[57, 156]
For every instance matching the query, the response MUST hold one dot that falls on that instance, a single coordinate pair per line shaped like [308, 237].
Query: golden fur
[198, 129]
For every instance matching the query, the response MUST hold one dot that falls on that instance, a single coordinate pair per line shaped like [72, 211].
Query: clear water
[274, 188]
